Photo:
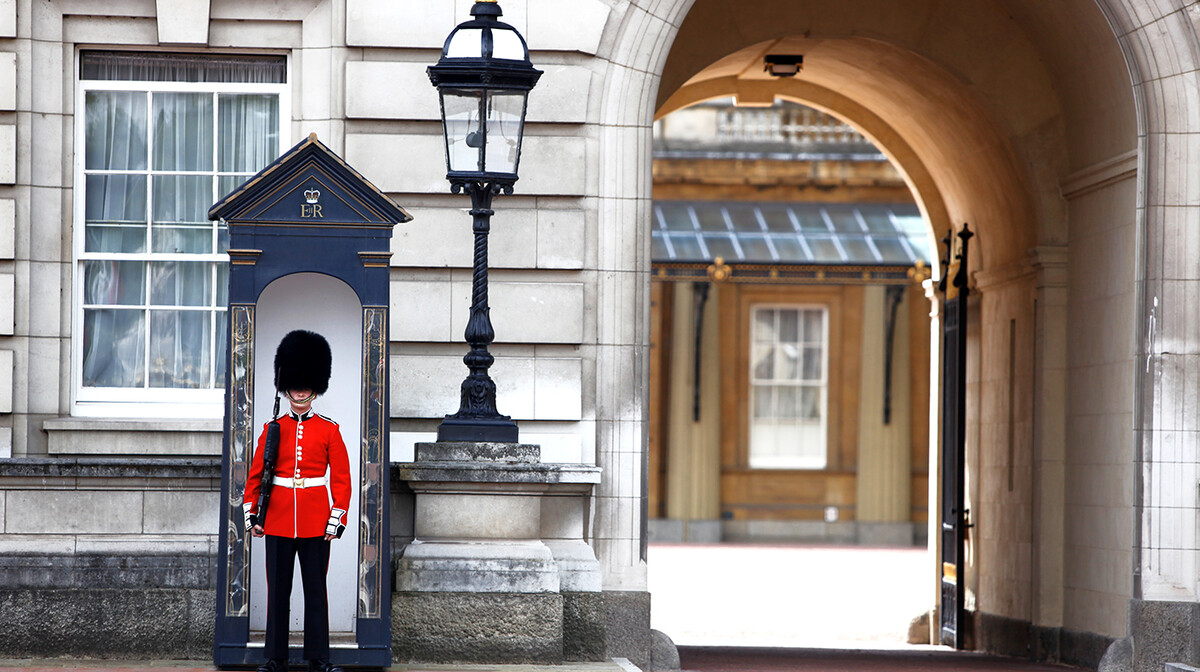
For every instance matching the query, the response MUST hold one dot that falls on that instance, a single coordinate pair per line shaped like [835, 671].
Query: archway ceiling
[994, 102]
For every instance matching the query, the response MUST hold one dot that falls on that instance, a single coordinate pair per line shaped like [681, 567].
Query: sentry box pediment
[308, 186]
[308, 212]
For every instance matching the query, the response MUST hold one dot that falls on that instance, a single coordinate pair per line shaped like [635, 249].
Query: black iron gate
[955, 516]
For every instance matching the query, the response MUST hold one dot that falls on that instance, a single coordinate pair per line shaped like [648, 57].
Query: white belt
[299, 483]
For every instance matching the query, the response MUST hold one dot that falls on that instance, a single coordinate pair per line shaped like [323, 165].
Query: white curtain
[116, 128]
[139, 66]
[114, 338]
[155, 323]
[180, 340]
[249, 138]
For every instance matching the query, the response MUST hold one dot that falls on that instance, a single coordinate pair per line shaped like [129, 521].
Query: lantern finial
[486, 8]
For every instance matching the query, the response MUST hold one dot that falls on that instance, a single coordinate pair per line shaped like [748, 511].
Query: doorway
[328, 306]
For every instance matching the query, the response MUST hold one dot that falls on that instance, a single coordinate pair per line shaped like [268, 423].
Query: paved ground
[740, 608]
[788, 596]
[700, 659]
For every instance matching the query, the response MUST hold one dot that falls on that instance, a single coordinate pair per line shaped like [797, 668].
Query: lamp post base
[497, 429]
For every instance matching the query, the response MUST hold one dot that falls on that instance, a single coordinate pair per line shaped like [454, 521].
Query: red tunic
[308, 447]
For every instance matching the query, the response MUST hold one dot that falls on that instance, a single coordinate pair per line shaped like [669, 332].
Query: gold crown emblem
[311, 195]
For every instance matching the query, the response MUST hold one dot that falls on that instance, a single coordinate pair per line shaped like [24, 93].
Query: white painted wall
[329, 307]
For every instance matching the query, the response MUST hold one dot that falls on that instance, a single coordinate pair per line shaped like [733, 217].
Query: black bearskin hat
[303, 361]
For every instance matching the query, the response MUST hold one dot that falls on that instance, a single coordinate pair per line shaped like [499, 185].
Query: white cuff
[335, 526]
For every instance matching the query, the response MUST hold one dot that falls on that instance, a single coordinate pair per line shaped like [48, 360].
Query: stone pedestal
[498, 558]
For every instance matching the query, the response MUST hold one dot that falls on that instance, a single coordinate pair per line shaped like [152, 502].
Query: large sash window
[788, 386]
[160, 138]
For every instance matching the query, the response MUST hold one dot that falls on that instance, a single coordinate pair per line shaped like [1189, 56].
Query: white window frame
[805, 462]
[147, 402]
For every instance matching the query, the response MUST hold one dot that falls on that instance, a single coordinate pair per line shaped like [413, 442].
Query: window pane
[877, 218]
[844, 220]
[221, 352]
[114, 283]
[787, 402]
[462, 128]
[180, 347]
[675, 217]
[222, 285]
[183, 239]
[687, 247]
[777, 219]
[114, 348]
[824, 250]
[115, 213]
[248, 128]
[789, 325]
[183, 131]
[180, 283]
[814, 326]
[115, 130]
[507, 45]
[467, 43]
[755, 248]
[743, 218]
[789, 362]
[893, 251]
[812, 363]
[789, 249]
[763, 363]
[810, 218]
[504, 131]
[858, 250]
[710, 217]
[181, 214]
[810, 403]
[764, 325]
[658, 248]
[764, 407]
[721, 246]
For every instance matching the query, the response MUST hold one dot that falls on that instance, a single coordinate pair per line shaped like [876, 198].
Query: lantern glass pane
[464, 135]
[505, 112]
[465, 43]
[507, 44]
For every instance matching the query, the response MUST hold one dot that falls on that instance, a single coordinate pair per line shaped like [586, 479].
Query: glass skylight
[789, 233]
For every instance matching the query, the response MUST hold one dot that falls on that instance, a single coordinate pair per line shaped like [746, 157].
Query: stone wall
[108, 558]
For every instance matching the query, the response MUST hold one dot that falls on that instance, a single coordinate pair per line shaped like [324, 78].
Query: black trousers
[314, 563]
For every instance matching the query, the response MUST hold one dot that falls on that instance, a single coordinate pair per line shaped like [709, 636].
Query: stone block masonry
[130, 577]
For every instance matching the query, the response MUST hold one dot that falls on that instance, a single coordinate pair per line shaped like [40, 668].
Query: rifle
[270, 456]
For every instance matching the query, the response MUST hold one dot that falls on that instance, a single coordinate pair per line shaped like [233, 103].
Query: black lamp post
[483, 78]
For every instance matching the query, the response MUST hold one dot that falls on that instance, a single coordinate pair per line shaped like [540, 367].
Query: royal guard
[299, 499]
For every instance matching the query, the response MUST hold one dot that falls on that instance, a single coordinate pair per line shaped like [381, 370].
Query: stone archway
[1060, 125]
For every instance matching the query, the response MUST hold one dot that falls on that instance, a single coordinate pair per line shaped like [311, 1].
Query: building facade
[1063, 132]
[789, 332]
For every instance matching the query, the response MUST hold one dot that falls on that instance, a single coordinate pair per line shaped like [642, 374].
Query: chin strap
[335, 526]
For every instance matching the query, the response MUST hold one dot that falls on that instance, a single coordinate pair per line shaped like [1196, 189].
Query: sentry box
[309, 248]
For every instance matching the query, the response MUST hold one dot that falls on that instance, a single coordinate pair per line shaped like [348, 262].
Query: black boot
[322, 665]
[273, 665]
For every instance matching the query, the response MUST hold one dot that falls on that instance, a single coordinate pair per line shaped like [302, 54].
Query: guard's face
[300, 399]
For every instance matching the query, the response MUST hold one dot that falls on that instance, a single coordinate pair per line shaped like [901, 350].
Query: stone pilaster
[1050, 433]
